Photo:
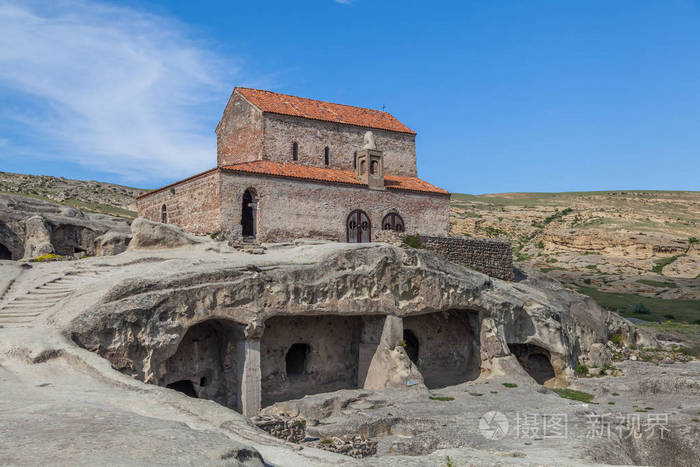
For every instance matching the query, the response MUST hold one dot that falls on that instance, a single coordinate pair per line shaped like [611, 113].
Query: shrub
[574, 395]
[441, 398]
[46, 258]
[510, 385]
[692, 240]
[413, 241]
[581, 370]
[617, 339]
[641, 309]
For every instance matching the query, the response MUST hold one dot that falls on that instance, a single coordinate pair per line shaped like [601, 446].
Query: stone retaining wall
[492, 257]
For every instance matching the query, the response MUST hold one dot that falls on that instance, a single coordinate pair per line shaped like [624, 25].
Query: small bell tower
[370, 164]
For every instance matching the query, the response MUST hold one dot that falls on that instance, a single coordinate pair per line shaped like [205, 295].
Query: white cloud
[110, 87]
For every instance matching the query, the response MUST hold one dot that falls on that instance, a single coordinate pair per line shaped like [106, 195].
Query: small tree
[641, 309]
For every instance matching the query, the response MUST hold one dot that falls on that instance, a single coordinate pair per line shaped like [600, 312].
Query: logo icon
[493, 425]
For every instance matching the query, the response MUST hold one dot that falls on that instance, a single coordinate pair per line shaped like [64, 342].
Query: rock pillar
[250, 402]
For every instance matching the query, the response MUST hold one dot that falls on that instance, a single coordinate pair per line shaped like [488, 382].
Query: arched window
[327, 155]
[295, 151]
[354, 161]
[363, 166]
[164, 214]
[393, 221]
[373, 167]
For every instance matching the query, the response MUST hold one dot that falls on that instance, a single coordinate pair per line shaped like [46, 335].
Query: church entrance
[359, 227]
[249, 209]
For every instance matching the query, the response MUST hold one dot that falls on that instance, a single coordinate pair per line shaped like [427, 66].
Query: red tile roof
[305, 172]
[273, 102]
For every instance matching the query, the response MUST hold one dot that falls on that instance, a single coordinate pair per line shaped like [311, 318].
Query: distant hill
[622, 247]
[88, 196]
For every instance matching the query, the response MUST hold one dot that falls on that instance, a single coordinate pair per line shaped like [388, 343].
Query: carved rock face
[463, 321]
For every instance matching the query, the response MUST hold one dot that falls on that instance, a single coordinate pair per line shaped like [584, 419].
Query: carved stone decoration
[370, 142]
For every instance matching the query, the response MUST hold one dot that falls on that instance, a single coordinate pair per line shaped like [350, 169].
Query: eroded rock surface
[194, 319]
[31, 228]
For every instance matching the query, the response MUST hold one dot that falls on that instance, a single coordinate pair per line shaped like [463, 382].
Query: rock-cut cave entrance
[208, 363]
[5, 252]
[302, 355]
[535, 360]
[296, 359]
[444, 346]
[412, 345]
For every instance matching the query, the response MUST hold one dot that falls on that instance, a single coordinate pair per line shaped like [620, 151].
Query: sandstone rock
[153, 235]
[112, 243]
[31, 227]
[598, 355]
[38, 238]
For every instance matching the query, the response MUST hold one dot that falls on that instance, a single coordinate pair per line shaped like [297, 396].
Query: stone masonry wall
[193, 204]
[239, 134]
[289, 209]
[492, 257]
[280, 131]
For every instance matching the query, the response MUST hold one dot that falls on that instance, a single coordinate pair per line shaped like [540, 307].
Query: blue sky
[505, 96]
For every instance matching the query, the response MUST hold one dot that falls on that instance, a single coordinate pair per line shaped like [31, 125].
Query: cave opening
[535, 360]
[184, 386]
[445, 346]
[412, 345]
[208, 362]
[5, 252]
[296, 359]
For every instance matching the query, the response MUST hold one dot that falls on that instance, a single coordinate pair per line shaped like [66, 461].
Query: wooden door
[359, 227]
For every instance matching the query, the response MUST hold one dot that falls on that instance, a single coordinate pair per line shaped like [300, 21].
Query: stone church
[290, 167]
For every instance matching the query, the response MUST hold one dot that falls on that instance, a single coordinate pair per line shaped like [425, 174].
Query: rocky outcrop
[155, 235]
[112, 243]
[140, 323]
[58, 189]
[30, 228]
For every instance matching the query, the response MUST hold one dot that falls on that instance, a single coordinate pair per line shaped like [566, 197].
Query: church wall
[193, 204]
[239, 135]
[289, 209]
[280, 131]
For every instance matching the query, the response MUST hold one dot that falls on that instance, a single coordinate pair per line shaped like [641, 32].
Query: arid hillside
[633, 251]
[88, 196]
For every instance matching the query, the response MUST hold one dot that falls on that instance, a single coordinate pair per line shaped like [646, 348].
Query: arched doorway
[5, 253]
[393, 221]
[359, 227]
[248, 213]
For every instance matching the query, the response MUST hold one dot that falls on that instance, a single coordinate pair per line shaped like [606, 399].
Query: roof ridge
[316, 100]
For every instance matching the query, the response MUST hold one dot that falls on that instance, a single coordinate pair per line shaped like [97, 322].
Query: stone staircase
[19, 310]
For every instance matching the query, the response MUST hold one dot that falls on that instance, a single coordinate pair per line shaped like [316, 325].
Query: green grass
[690, 334]
[687, 311]
[574, 395]
[413, 241]
[659, 284]
[47, 258]
[663, 262]
[510, 385]
[441, 398]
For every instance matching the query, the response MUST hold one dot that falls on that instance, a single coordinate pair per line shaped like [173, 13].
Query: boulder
[37, 241]
[148, 235]
[112, 243]
[599, 355]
